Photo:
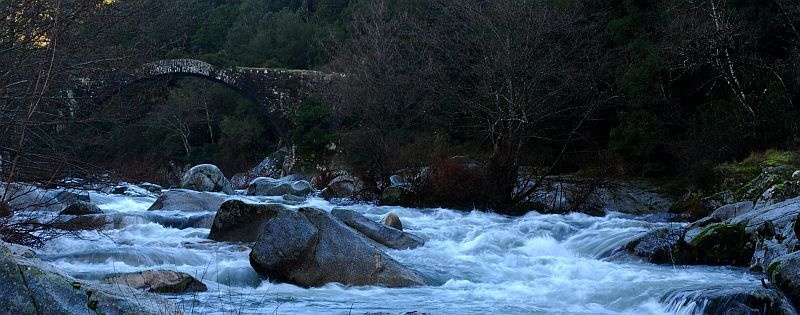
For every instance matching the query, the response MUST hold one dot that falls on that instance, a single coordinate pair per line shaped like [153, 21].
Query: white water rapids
[484, 264]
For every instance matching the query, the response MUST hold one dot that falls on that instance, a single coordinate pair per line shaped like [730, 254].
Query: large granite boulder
[385, 235]
[188, 201]
[237, 221]
[31, 286]
[264, 186]
[81, 208]
[314, 248]
[161, 281]
[206, 177]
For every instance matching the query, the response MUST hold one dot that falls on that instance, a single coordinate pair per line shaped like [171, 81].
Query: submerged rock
[162, 281]
[31, 286]
[383, 234]
[263, 186]
[311, 248]
[392, 220]
[206, 177]
[188, 201]
[724, 301]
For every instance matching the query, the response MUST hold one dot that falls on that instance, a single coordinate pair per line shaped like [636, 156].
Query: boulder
[779, 214]
[271, 166]
[129, 189]
[392, 220]
[153, 188]
[81, 208]
[657, 246]
[161, 281]
[31, 286]
[263, 186]
[731, 210]
[343, 186]
[188, 201]
[324, 250]
[206, 177]
[720, 244]
[726, 300]
[237, 221]
[397, 196]
[385, 235]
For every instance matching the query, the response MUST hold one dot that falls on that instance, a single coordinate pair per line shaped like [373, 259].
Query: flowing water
[483, 263]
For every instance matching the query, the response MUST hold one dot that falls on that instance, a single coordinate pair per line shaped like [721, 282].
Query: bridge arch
[277, 92]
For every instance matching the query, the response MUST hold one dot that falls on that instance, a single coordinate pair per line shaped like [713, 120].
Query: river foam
[481, 263]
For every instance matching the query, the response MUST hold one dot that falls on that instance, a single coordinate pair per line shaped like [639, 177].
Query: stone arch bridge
[277, 92]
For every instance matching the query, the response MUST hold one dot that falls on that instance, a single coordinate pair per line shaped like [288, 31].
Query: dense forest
[621, 88]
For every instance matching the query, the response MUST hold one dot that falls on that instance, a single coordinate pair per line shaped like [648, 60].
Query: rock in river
[264, 186]
[162, 281]
[385, 235]
[206, 177]
[312, 248]
[189, 201]
[81, 208]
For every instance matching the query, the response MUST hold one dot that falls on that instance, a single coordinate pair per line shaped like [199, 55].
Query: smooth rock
[81, 208]
[161, 281]
[383, 234]
[392, 220]
[237, 221]
[731, 210]
[206, 177]
[188, 201]
[263, 186]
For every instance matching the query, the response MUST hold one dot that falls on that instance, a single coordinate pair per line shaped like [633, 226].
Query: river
[483, 263]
